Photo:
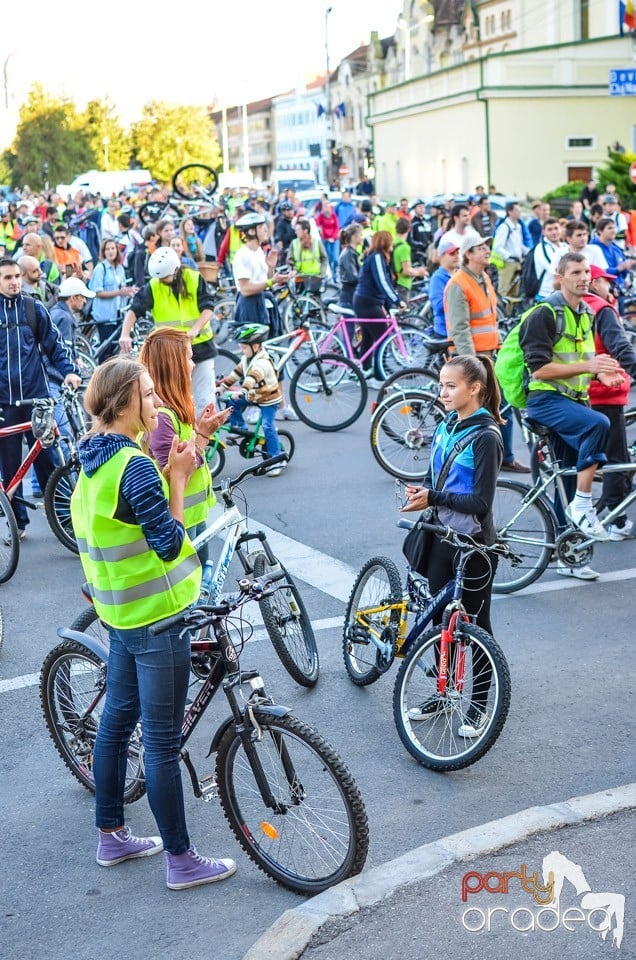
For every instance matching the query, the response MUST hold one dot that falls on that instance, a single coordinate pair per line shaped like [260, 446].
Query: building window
[580, 143]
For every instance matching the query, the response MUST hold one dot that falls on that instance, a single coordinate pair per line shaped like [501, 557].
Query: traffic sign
[632, 172]
[622, 83]
[343, 170]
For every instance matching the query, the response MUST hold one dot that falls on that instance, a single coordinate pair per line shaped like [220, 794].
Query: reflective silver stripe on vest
[122, 552]
[479, 314]
[151, 587]
[192, 499]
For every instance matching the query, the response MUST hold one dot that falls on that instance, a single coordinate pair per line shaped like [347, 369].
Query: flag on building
[320, 109]
[627, 15]
[340, 110]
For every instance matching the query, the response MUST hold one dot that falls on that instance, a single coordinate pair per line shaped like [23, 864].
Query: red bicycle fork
[445, 646]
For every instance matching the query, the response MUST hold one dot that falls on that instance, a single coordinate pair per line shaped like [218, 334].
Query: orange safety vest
[482, 310]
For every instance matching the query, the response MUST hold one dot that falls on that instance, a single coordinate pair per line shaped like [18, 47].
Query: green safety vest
[306, 261]
[199, 496]
[180, 312]
[575, 345]
[235, 243]
[385, 222]
[131, 586]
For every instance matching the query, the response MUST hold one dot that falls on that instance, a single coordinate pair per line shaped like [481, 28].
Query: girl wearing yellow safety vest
[167, 355]
[141, 568]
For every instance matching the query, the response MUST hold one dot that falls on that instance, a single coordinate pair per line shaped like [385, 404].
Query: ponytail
[480, 369]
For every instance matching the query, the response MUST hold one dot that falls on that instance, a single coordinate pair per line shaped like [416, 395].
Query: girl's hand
[210, 420]
[416, 499]
[182, 459]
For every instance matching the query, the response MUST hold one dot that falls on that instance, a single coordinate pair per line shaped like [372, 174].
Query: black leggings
[370, 332]
[478, 577]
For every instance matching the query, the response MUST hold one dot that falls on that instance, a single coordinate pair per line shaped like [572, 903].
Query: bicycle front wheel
[397, 354]
[376, 589]
[402, 431]
[9, 542]
[311, 832]
[407, 380]
[452, 730]
[528, 529]
[57, 502]
[195, 181]
[72, 690]
[289, 628]
[328, 392]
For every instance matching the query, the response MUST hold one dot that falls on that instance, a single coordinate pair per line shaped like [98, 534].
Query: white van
[292, 180]
[105, 182]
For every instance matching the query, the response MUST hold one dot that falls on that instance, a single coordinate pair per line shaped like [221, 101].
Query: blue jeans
[268, 418]
[147, 679]
[332, 249]
[506, 433]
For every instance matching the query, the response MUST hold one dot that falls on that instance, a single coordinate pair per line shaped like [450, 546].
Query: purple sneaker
[190, 869]
[119, 846]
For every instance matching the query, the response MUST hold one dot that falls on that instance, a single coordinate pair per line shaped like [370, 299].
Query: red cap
[599, 274]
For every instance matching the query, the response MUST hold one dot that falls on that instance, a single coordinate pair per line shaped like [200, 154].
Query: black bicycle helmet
[253, 333]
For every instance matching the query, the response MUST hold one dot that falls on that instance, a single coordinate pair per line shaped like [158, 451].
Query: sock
[582, 501]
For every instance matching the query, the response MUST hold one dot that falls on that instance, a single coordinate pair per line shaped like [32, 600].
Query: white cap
[73, 286]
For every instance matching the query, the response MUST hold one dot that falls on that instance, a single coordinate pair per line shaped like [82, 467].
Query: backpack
[510, 366]
[530, 282]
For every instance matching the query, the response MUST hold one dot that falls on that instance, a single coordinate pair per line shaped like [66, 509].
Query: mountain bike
[285, 617]
[527, 523]
[452, 691]
[289, 799]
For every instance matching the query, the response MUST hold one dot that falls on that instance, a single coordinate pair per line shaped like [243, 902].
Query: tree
[616, 171]
[169, 136]
[49, 144]
[108, 140]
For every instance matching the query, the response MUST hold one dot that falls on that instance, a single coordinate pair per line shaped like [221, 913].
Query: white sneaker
[474, 724]
[286, 413]
[620, 533]
[587, 521]
[579, 573]
[276, 472]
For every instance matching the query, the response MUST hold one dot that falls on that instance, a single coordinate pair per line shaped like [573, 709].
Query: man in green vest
[387, 220]
[307, 254]
[178, 297]
[557, 340]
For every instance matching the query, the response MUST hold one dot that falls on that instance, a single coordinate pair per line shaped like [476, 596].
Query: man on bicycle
[557, 340]
[29, 337]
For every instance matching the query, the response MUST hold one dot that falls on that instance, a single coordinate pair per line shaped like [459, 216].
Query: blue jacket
[613, 256]
[436, 289]
[375, 282]
[22, 372]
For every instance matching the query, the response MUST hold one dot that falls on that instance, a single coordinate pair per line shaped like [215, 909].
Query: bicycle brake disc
[568, 548]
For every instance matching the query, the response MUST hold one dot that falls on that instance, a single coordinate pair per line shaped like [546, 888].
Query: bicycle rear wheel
[289, 628]
[432, 726]
[528, 529]
[9, 542]
[407, 380]
[316, 834]
[57, 502]
[72, 690]
[195, 181]
[377, 586]
[391, 357]
[328, 392]
[224, 362]
[402, 431]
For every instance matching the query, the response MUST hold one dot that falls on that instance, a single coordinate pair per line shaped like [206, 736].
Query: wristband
[269, 283]
[205, 437]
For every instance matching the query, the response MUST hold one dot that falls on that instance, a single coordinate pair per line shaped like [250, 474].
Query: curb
[290, 934]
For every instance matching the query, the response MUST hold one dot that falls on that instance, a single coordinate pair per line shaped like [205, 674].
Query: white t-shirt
[458, 238]
[546, 260]
[249, 264]
[594, 255]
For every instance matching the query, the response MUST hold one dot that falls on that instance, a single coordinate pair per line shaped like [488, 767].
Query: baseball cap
[30, 219]
[599, 274]
[73, 286]
[609, 198]
[446, 246]
[474, 240]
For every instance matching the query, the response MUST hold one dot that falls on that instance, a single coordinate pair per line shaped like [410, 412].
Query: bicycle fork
[448, 637]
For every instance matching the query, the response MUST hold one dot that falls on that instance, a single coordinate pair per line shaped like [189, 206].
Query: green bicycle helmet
[253, 333]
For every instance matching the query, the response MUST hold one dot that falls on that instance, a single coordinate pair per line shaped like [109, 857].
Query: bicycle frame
[298, 337]
[392, 327]
[28, 461]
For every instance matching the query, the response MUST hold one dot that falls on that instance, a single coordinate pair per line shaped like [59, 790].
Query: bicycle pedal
[208, 787]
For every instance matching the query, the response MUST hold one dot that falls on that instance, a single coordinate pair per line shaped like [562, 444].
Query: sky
[206, 52]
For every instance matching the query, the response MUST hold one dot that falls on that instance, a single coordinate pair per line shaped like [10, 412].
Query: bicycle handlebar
[203, 615]
[258, 470]
[41, 401]
[454, 537]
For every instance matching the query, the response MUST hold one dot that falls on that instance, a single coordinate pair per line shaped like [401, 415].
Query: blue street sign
[622, 83]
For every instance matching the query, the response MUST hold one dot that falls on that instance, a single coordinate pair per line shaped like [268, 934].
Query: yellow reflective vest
[179, 312]
[131, 586]
[199, 496]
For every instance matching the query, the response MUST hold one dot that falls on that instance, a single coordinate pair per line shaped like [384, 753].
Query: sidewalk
[411, 908]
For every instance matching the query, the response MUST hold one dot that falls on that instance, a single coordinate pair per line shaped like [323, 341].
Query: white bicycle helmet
[249, 220]
[163, 263]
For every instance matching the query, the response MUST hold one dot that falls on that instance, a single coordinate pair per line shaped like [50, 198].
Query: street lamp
[427, 16]
[105, 145]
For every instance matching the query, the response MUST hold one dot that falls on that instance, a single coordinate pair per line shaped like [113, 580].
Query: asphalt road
[569, 649]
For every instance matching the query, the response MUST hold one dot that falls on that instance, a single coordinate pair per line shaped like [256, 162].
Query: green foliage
[49, 132]
[109, 141]
[616, 171]
[568, 191]
[169, 136]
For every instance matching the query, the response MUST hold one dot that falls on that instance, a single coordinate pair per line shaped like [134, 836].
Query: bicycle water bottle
[206, 582]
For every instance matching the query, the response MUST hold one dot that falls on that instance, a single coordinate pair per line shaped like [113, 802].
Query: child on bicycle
[255, 380]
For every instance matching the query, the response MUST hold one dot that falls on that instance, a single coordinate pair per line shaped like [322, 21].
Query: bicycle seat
[341, 311]
[537, 428]
[435, 344]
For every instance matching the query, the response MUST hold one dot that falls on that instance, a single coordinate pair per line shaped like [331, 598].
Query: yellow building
[526, 109]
